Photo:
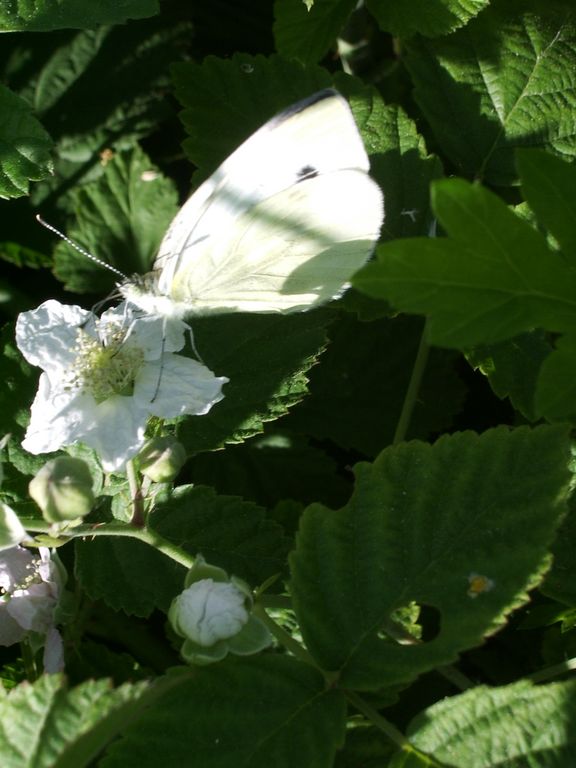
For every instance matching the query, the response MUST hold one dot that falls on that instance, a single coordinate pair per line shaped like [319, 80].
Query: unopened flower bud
[161, 459]
[213, 615]
[63, 489]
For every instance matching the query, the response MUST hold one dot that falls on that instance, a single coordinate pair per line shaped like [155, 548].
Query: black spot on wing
[306, 172]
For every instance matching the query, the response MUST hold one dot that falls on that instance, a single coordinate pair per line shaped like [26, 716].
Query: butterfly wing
[290, 252]
[283, 223]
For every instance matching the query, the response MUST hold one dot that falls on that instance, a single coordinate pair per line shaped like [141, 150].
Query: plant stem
[413, 388]
[283, 637]
[146, 535]
[554, 671]
[376, 718]
[28, 661]
[137, 518]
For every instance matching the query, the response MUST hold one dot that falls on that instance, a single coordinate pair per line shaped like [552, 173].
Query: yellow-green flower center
[105, 369]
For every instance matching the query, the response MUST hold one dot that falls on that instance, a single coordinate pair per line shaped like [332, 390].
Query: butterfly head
[143, 292]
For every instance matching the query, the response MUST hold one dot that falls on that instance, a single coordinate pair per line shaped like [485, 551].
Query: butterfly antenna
[79, 248]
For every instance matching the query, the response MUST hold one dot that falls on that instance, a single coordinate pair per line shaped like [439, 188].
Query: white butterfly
[280, 226]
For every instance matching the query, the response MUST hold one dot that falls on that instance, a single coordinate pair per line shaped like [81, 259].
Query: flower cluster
[104, 377]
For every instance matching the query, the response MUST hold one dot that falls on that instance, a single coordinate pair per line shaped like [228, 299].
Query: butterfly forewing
[280, 226]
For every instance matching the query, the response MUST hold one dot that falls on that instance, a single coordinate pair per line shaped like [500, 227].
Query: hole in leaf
[412, 624]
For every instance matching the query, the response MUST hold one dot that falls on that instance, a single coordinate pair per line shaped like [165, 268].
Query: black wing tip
[300, 106]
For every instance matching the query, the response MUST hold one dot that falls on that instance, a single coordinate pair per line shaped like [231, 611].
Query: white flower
[30, 586]
[103, 378]
[209, 611]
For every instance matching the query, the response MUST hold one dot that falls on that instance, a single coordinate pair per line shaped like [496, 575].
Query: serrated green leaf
[307, 34]
[230, 533]
[507, 79]
[266, 359]
[275, 466]
[120, 219]
[19, 381]
[399, 161]
[549, 186]
[435, 525]
[66, 66]
[47, 726]
[560, 582]
[368, 399]
[556, 389]
[241, 713]
[493, 278]
[21, 16]
[25, 147]
[251, 89]
[127, 575]
[512, 368]
[516, 726]
[424, 17]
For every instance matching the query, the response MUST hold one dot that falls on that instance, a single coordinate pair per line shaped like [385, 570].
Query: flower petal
[117, 431]
[46, 336]
[57, 417]
[176, 385]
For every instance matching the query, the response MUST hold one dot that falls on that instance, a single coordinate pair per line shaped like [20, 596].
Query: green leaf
[435, 525]
[25, 147]
[20, 382]
[492, 278]
[241, 713]
[307, 34]
[230, 533]
[66, 66]
[512, 368]
[556, 388]
[549, 186]
[127, 575]
[47, 726]
[481, 104]
[399, 162]
[368, 399]
[276, 465]
[121, 219]
[425, 17]
[560, 582]
[514, 726]
[98, 92]
[251, 89]
[266, 358]
[21, 16]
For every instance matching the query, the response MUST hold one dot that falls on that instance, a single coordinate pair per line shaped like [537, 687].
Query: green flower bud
[161, 459]
[63, 489]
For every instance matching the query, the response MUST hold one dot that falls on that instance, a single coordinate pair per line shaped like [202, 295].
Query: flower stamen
[105, 366]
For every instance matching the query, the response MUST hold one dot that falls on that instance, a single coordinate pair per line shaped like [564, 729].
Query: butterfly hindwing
[291, 251]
